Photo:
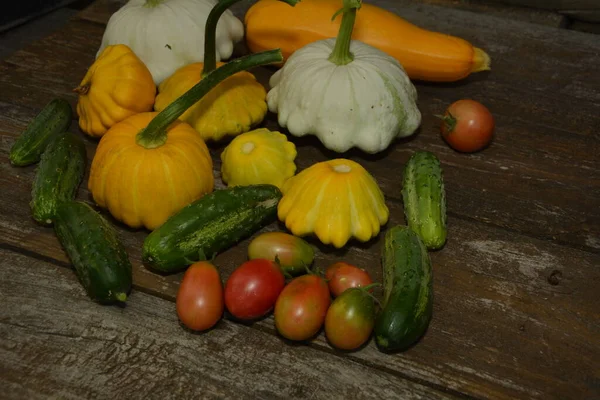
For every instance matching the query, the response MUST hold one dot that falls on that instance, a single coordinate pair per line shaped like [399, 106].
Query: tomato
[467, 126]
[341, 276]
[199, 301]
[350, 319]
[252, 289]
[301, 307]
[293, 254]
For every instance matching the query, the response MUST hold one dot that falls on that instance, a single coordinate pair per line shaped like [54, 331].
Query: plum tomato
[341, 276]
[467, 126]
[350, 319]
[294, 254]
[252, 289]
[199, 301]
[301, 307]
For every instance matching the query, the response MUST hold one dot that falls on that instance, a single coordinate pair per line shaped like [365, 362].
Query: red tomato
[350, 319]
[301, 307]
[467, 126]
[199, 300]
[341, 276]
[252, 289]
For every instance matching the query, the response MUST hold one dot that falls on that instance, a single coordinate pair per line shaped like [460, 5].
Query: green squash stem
[152, 3]
[155, 134]
[341, 54]
[210, 32]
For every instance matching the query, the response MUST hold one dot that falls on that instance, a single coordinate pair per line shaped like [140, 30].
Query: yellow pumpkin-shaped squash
[335, 200]
[116, 86]
[258, 157]
[233, 107]
[145, 186]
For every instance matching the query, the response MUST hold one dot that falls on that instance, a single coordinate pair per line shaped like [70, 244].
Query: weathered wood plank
[520, 167]
[493, 301]
[70, 347]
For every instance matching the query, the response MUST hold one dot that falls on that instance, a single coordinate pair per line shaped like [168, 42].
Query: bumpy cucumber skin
[424, 199]
[92, 244]
[54, 119]
[58, 176]
[210, 225]
[407, 306]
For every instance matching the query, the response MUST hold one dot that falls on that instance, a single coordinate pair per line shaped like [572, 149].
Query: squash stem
[341, 54]
[155, 134]
[210, 33]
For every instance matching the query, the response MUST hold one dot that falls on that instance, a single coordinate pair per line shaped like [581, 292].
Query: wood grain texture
[516, 286]
[141, 350]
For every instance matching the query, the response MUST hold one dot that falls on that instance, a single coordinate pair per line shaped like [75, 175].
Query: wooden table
[517, 286]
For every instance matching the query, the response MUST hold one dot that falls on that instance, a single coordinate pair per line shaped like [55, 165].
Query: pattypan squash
[347, 93]
[168, 34]
[335, 200]
[149, 166]
[257, 157]
[116, 86]
[234, 107]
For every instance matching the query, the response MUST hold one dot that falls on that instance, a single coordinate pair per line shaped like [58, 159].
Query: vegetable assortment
[153, 168]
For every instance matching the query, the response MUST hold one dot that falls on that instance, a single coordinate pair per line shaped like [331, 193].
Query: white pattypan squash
[168, 34]
[347, 93]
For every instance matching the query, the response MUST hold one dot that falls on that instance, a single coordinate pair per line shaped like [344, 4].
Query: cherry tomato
[199, 301]
[350, 319]
[467, 126]
[294, 254]
[301, 307]
[252, 289]
[341, 276]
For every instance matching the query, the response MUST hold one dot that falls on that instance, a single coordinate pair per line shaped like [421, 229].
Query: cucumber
[92, 244]
[210, 225]
[54, 119]
[424, 199]
[58, 176]
[408, 290]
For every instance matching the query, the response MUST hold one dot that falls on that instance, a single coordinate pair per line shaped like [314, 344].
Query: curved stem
[155, 134]
[341, 54]
[210, 33]
[152, 3]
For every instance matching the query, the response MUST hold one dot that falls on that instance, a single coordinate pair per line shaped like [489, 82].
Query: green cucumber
[424, 199]
[210, 225]
[407, 305]
[54, 119]
[58, 176]
[92, 244]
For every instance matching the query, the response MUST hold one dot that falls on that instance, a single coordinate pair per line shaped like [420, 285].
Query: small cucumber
[424, 199]
[58, 176]
[210, 225]
[92, 244]
[54, 119]
[407, 288]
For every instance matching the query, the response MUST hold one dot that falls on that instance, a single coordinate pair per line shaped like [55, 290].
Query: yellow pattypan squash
[335, 200]
[233, 107]
[144, 186]
[116, 86]
[258, 157]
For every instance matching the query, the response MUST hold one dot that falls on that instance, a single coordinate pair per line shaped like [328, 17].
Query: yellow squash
[335, 200]
[142, 187]
[234, 106]
[424, 54]
[260, 156]
[116, 86]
